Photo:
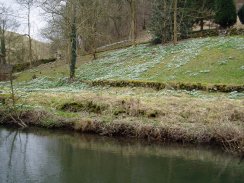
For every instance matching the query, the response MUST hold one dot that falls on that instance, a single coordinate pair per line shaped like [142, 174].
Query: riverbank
[188, 93]
[137, 113]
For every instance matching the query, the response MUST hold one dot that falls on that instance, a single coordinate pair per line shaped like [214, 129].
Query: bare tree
[7, 23]
[28, 4]
[91, 27]
[65, 22]
[166, 17]
[175, 21]
[73, 41]
[133, 29]
[3, 20]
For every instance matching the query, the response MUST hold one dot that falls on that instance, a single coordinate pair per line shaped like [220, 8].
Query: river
[42, 156]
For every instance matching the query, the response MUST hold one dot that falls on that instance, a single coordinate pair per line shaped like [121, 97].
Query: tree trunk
[3, 50]
[94, 44]
[9, 46]
[29, 36]
[201, 24]
[12, 88]
[144, 27]
[164, 21]
[133, 21]
[3, 44]
[73, 45]
[175, 21]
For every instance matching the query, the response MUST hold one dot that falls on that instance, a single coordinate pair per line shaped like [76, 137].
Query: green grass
[195, 114]
[217, 60]
[52, 70]
[219, 67]
[210, 60]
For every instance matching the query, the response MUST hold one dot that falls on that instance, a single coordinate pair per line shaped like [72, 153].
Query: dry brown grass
[218, 121]
[161, 118]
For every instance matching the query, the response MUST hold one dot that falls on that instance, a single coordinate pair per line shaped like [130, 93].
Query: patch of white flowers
[187, 52]
[46, 84]
[127, 63]
[133, 62]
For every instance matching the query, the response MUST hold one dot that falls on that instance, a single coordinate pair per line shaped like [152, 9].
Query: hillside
[208, 60]
[218, 60]
[17, 48]
[46, 98]
[146, 73]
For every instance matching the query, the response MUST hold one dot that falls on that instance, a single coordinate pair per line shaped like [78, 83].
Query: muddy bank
[222, 136]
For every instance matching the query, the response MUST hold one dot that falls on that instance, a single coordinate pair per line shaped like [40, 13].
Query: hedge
[24, 66]
[160, 86]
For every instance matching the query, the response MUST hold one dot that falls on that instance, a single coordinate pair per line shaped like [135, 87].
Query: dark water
[49, 157]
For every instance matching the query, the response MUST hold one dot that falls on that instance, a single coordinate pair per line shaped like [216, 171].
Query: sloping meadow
[209, 60]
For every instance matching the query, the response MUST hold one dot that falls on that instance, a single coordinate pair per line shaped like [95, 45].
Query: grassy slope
[194, 116]
[208, 60]
[52, 70]
[217, 60]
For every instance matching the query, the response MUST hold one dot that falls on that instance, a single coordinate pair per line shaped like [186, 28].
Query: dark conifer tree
[225, 13]
[241, 14]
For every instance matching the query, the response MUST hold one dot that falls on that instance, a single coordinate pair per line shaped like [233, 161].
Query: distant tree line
[241, 14]
[82, 26]
[19, 48]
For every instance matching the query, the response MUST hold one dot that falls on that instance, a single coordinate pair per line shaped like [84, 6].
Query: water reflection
[45, 156]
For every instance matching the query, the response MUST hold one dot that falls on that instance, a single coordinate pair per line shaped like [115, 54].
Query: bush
[241, 14]
[24, 66]
[204, 33]
[161, 86]
[235, 31]
[225, 13]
